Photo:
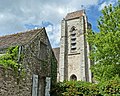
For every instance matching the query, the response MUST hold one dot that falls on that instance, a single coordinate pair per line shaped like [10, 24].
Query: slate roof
[56, 53]
[18, 39]
[75, 14]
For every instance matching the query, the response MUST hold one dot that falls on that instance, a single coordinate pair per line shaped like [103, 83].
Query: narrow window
[73, 38]
[72, 29]
[73, 34]
[73, 43]
[73, 48]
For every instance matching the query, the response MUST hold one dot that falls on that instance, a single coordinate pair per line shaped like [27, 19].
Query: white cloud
[103, 5]
[14, 14]
[49, 28]
[54, 34]
[61, 11]
[107, 4]
[1, 16]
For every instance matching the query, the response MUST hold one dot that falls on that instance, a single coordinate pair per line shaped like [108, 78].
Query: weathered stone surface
[74, 48]
[9, 86]
[37, 60]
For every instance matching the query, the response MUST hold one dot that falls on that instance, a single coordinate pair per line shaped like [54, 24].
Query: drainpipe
[19, 52]
[19, 69]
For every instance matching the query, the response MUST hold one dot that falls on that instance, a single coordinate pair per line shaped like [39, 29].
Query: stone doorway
[73, 77]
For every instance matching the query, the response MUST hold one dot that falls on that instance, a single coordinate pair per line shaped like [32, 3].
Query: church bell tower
[74, 63]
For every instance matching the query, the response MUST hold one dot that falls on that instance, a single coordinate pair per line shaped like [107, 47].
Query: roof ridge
[74, 14]
[18, 38]
[76, 11]
[22, 32]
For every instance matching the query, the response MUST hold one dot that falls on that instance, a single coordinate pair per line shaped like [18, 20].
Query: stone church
[73, 54]
[40, 62]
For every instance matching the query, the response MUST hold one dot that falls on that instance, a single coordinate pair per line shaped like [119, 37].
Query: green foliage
[57, 89]
[80, 88]
[105, 54]
[75, 88]
[106, 44]
[110, 88]
[53, 70]
[10, 60]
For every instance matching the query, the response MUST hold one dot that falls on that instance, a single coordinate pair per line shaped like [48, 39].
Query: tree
[105, 44]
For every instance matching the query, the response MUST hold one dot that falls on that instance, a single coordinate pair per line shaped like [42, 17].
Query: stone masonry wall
[9, 86]
[74, 49]
[37, 60]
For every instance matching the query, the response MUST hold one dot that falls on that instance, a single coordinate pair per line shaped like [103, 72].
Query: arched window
[73, 77]
[72, 29]
[73, 38]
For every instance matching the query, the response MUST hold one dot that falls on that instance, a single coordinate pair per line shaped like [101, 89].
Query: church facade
[74, 62]
[39, 59]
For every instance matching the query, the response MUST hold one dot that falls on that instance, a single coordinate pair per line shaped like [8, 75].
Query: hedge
[81, 88]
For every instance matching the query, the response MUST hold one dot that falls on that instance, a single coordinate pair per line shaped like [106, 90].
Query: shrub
[110, 88]
[81, 88]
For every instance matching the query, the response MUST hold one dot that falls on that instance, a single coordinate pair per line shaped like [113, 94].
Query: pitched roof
[56, 53]
[18, 39]
[75, 14]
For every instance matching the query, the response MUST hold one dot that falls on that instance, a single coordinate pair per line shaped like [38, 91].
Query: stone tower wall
[76, 57]
[62, 51]
[74, 48]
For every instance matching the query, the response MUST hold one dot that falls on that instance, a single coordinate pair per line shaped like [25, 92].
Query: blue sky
[21, 15]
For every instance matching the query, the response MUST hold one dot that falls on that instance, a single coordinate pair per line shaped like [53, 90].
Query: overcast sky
[21, 15]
